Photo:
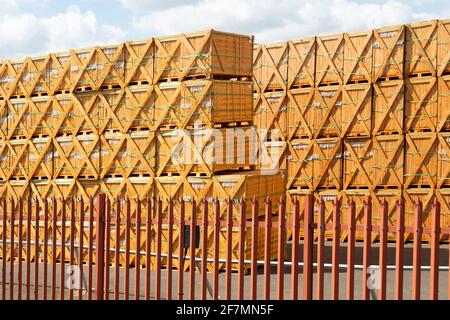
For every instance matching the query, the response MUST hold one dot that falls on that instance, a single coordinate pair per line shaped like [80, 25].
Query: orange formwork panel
[271, 112]
[421, 48]
[205, 151]
[388, 153]
[301, 63]
[443, 50]
[443, 97]
[358, 53]
[388, 107]
[206, 54]
[356, 110]
[420, 160]
[300, 112]
[270, 66]
[315, 163]
[330, 60]
[388, 53]
[421, 104]
[358, 163]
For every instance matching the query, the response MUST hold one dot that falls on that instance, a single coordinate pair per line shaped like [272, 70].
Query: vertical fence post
[435, 238]
[417, 250]
[294, 253]
[169, 251]
[367, 246]
[308, 243]
[4, 249]
[399, 249]
[320, 250]
[204, 249]
[12, 255]
[100, 247]
[281, 246]
[192, 247]
[383, 248]
[335, 250]
[242, 220]
[181, 251]
[216, 248]
[267, 258]
[254, 252]
[351, 251]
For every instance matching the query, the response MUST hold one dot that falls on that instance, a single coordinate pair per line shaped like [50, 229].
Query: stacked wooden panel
[149, 119]
[373, 119]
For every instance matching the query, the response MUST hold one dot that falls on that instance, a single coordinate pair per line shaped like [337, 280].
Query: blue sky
[31, 27]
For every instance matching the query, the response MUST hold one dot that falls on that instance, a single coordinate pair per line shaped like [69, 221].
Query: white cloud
[272, 20]
[26, 34]
[147, 5]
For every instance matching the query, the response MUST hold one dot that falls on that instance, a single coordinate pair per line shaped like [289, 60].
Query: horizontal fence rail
[102, 248]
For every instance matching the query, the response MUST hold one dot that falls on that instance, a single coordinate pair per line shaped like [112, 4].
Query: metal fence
[139, 249]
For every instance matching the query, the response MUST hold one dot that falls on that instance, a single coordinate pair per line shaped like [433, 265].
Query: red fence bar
[399, 249]
[137, 259]
[54, 247]
[11, 251]
[320, 251]
[107, 246]
[158, 250]
[308, 243]
[241, 266]
[81, 249]
[228, 254]
[434, 258]
[20, 245]
[63, 250]
[4, 230]
[72, 241]
[417, 248]
[216, 249]
[295, 249]
[117, 252]
[91, 244]
[267, 238]
[204, 249]
[28, 248]
[254, 250]
[45, 251]
[181, 251]
[366, 249]
[192, 244]
[127, 250]
[36, 250]
[148, 248]
[383, 248]
[281, 246]
[335, 251]
[100, 247]
[169, 252]
[351, 251]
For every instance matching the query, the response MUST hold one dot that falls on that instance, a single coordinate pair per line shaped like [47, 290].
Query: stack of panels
[373, 117]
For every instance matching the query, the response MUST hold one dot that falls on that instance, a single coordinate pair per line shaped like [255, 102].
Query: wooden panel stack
[117, 119]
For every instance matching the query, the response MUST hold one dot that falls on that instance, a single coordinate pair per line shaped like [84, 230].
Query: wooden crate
[202, 54]
[301, 63]
[204, 102]
[128, 154]
[420, 160]
[356, 110]
[358, 163]
[388, 153]
[443, 50]
[443, 160]
[421, 48]
[76, 156]
[327, 165]
[388, 53]
[40, 157]
[205, 151]
[358, 49]
[18, 163]
[273, 156]
[388, 107]
[300, 164]
[421, 111]
[270, 66]
[9, 78]
[300, 113]
[326, 112]
[139, 62]
[330, 59]
[426, 196]
[4, 160]
[443, 120]
[87, 112]
[271, 109]
[19, 118]
[3, 119]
